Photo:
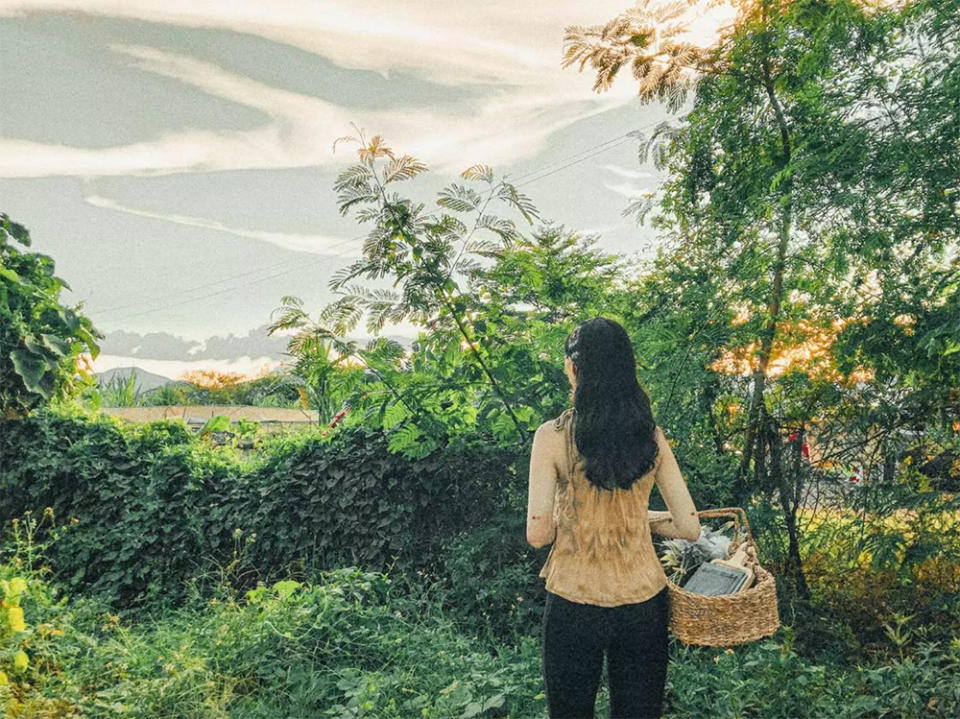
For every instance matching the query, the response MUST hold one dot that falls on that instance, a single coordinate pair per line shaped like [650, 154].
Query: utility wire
[525, 179]
[548, 170]
[195, 288]
[569, 164]
[221, 292]
[616, 142]
[598, 146]
[298, 262]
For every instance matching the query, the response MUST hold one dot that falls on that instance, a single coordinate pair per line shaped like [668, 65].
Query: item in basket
[741, 559]
[714, 579]
[681, 557]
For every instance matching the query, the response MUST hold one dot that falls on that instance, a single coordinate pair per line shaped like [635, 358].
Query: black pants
[574, 638]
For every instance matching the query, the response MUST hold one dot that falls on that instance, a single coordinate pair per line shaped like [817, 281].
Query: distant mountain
[144, 381]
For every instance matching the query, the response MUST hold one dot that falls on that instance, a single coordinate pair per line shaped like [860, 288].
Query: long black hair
[614, 426]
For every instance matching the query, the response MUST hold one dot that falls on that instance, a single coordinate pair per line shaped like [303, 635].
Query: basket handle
[736, 513]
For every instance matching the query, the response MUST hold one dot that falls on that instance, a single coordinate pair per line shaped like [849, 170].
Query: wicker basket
[727, 619]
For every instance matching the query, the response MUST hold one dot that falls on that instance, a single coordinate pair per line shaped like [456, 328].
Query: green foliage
[341, 647]
[860, 203]
[491, 575]
[121, 391]
[484, 350]
[323, 382]
[40, 339]
[349, 644]
[489, 361]
[769, 679]
[154, 507]
[867, 567]
[27, 640]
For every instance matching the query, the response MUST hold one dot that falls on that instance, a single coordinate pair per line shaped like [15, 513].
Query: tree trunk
[773, 308]
[788, 504]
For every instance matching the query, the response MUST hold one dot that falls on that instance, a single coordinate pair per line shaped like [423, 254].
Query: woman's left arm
[541, 530]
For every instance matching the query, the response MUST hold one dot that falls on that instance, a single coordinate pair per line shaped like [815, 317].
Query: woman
[591, 472]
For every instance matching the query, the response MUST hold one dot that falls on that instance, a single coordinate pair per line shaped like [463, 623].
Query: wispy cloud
[499, 41]
[494, 41]
[629, 174]
[627, 189]
[506, 45]
[313, 243]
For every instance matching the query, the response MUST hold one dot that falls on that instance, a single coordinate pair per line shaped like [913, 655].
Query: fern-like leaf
[478, 172]
[353, 185]
[459, 198]
[404, 438]
[345, 274]
[520, 201]
[395, 413]
[501, 226]
[639, 207]
[344, 138]
[402, 168]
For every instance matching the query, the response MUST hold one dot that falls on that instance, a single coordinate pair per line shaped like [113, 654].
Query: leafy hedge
[154, 507]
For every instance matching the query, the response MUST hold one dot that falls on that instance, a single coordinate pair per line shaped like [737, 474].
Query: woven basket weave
[727, 619]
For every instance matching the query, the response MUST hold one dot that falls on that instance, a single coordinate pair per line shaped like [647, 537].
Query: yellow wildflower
[17, 586]
[15, 615]
[21, 661]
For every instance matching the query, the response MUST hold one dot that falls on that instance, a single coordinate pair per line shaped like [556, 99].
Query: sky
[176, 158]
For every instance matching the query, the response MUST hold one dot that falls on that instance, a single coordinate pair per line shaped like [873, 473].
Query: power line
[297, 261]
[221, 292]
[569, 164]
[611, 142]
[565, 163]
[617, 141]
[193, 289]
[526, 179]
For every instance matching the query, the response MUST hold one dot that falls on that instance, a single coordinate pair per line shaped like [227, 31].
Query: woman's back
[603, 551]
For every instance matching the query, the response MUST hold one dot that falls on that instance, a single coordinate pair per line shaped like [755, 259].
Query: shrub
[40, 339]
[154, 507]
[492, 585]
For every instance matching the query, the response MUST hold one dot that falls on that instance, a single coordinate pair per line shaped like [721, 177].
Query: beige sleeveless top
[603, 551]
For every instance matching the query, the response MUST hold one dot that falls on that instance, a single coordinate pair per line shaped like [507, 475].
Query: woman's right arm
[681, 521]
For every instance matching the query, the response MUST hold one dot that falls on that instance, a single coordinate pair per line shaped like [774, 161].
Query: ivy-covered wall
[153, 506]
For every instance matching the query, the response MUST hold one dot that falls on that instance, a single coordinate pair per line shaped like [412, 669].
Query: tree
[779, 197]
[324, 381]
[40, 339]
[495, 306]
